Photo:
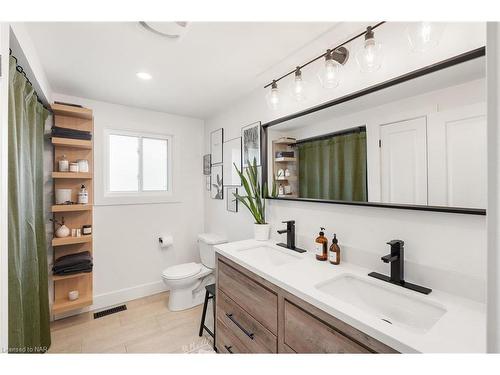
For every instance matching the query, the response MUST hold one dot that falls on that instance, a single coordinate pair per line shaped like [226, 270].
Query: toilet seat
[182, 271]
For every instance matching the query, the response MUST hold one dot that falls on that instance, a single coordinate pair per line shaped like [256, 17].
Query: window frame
[133, 196]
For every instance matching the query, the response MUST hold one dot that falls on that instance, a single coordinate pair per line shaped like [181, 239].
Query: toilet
[187, 281]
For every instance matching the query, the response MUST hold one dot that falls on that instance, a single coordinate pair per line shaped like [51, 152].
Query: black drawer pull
[249, 334]
[228, 348]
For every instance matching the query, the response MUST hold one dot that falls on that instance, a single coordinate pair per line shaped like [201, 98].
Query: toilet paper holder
[165, 241]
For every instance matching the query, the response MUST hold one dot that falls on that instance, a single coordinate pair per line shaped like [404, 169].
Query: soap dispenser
[321, 246]
[334, 253]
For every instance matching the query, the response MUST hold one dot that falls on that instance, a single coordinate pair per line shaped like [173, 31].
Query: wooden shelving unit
[74, 175]
[71, 207]
[75, 215]
[290, 163]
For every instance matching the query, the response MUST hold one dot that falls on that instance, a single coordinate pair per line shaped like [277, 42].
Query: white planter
[261, 232]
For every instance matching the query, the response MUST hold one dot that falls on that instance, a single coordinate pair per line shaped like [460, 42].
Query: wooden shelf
[289, 178]
[284, 160]
[70, 142]
[287, 195]
[71, 207]
[66, 277]
[71, 240]
[62, 305]
[68, 110]
[73, 175]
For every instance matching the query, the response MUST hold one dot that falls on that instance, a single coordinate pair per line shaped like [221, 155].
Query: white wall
[493, 304]
[127, 259]
[444, 251]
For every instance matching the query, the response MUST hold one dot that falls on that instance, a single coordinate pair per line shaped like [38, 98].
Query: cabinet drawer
[248, 330]
[255, 299]
[306, 334]
[227, 342]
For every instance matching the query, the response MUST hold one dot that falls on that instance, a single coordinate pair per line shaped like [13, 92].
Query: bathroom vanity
[273, 300]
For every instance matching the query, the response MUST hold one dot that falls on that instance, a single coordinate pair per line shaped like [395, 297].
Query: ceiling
[205, 70]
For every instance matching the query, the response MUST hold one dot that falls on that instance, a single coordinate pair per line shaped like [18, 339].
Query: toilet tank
[206, 243]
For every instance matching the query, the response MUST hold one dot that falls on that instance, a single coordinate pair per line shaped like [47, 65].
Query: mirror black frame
[467, 56]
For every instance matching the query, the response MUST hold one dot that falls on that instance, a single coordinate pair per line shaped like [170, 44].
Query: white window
[138, 164]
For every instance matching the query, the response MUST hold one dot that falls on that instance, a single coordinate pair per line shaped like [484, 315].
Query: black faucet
[397, 260]
[290, 236]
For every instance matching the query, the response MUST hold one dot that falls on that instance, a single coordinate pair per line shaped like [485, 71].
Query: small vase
[261, 232]
[62, 231]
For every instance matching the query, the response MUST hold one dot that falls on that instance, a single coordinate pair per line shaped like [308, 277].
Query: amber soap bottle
[321, 246]
[334, 253]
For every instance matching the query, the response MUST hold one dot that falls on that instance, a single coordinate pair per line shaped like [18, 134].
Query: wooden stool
[209, 294]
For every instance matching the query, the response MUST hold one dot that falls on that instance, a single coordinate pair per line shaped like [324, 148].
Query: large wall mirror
[417, 141]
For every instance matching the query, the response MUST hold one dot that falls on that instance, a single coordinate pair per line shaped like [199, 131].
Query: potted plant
[255, 200]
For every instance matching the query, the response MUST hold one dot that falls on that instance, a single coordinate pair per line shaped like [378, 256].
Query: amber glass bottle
[335, 251]
[321, 246]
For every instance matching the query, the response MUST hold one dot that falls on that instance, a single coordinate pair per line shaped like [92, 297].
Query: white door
[457, 157]
[403, 164]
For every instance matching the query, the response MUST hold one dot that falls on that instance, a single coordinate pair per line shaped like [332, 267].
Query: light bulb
[273, 97]
[329, 74]
[424, 36]
[369, 56]
[298, 88]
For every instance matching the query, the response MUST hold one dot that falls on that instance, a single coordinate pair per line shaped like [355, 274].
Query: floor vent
[110, 311]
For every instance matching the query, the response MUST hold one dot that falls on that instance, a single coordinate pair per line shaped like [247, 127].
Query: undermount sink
[385, 302]
[270, 256]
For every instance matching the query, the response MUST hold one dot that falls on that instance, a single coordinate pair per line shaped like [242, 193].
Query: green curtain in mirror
[334, 168]
[29, 330]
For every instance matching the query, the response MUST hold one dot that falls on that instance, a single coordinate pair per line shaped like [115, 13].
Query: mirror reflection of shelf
[289, 184]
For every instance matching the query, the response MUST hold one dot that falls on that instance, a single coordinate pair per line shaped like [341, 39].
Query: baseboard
[117, 297]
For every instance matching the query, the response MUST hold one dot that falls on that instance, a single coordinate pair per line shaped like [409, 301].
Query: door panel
[457, 157]
[404, 161]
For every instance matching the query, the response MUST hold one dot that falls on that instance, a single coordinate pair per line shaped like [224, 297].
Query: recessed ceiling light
[145, 76]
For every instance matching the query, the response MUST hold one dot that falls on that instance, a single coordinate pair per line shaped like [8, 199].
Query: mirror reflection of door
[457, 157]
[403, 151]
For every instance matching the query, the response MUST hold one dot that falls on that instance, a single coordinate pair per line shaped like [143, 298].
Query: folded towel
[70, 133]
[78, 261]
[74, 269]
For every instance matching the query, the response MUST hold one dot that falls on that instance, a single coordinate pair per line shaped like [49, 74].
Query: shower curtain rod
[20, 69]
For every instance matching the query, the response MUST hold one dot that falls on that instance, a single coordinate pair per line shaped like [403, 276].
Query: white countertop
[462, 328]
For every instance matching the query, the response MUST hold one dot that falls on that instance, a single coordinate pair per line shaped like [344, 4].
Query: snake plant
[255, 200]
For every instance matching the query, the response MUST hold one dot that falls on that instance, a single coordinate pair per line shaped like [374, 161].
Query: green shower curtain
[29, 330]
[334, 168]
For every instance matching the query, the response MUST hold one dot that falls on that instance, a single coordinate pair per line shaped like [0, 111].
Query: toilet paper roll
[165, 240]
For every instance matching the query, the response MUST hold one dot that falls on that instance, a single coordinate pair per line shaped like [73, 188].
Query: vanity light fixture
[329, 74]
[143, 75]
[423, 36]
[369, 56]
[273, 96]
[298, 88]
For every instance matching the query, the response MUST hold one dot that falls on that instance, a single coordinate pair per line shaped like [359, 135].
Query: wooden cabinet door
[306, 334]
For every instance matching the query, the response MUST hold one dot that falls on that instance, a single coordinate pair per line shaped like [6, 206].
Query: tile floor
[147, 326]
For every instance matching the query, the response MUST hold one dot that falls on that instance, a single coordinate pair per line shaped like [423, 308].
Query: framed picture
[250, 135]
[207, 183]
[217, 190]
[232, 157]
[216, 140]
[206, 164]
[231, 201]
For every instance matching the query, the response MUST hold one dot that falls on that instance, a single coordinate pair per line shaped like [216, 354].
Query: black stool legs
[209, 294]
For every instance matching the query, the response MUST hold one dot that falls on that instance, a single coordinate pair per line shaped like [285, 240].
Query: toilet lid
[181, 271]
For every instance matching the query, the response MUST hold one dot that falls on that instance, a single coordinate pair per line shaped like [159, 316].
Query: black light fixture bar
[324, 54]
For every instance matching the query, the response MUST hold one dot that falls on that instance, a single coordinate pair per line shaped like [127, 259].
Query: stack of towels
[70, 133]
[73, 263]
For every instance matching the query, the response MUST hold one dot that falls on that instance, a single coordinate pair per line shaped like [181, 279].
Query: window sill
[131, 199]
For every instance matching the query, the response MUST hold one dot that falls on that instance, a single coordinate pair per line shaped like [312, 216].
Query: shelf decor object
[75, 215]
